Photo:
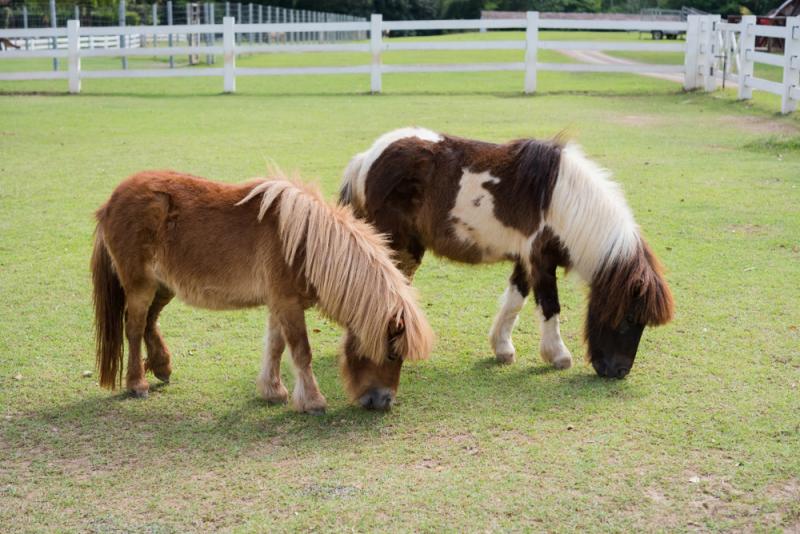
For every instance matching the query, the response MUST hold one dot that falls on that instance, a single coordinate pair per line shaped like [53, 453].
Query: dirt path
[601, 58]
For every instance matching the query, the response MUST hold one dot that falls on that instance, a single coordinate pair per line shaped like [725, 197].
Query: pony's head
[372, 382]
[626, 295]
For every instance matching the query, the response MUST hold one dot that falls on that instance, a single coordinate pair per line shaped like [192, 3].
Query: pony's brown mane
[349, 266]
[639, 277]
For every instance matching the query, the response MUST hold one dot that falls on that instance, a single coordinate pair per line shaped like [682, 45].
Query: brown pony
[273, 243]
[538, 204]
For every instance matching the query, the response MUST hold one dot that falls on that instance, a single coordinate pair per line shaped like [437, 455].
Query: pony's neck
[589, 214]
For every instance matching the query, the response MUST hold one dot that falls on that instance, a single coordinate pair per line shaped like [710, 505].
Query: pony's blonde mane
[349, 266]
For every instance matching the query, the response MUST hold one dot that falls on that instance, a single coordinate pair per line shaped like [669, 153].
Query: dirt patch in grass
[639, 120]
[747, 229]
[758, 125]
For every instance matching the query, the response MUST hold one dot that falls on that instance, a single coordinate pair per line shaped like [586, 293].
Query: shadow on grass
[173, 420]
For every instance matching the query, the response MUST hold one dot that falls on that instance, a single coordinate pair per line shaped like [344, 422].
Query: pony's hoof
[139, 393]
[314, 406]
[505, 358]
[163, 377]
[377, 399]
[559, 357]
[273, 394]
[504, 351]
[563, 363]
[277, 398]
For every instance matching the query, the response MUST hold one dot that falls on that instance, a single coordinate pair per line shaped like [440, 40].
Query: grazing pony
[273, 243]
[538, 204]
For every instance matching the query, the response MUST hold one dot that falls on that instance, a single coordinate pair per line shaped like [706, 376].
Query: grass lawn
[704, 434]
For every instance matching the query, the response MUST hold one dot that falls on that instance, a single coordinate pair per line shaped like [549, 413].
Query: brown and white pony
[273, 243]
[538, 204]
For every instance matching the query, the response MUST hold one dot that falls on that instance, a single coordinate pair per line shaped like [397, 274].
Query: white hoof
[504, 351]
[558, 356]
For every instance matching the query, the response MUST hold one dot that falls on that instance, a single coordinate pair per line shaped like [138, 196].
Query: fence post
[169, 37]
[229, 54]
[122, 36]
[531, 51]
[269, 21]
[692, 51]
[747, 45]
[712, 47]
[155, 24]
[375, 45]
[77, 12]
[260, 34]
[25, 25]
[238, 19]
[791, 64]
[250, 21]
[208, 36]
[703, 52]
[74, 57]
[53, 24]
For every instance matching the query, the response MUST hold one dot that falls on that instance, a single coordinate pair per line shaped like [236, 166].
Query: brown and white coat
[540, 204]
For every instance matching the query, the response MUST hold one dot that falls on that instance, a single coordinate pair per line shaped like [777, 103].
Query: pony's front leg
[269, 382]
[551, 347]
[513, 300]
[306, 396]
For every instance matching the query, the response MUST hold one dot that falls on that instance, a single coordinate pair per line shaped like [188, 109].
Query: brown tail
[109, 310]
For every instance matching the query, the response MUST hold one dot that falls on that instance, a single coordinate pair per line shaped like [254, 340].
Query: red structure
[776, 17]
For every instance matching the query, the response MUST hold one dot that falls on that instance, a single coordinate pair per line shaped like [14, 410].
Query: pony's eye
[626, 323]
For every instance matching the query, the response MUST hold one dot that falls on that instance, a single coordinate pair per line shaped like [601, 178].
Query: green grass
[704, 434]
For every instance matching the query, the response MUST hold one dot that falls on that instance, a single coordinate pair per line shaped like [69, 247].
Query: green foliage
[568, 6]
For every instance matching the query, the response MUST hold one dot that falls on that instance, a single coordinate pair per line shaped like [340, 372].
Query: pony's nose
[621, 372]
[377, 399]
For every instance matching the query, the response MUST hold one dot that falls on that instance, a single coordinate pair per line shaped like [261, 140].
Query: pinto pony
[273, 243]
[538, 204]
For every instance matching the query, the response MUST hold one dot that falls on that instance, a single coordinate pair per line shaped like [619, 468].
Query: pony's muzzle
[377, 399]
[613, 370]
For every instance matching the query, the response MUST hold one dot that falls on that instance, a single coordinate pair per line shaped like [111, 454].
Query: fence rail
[738, 42]
[708, 41]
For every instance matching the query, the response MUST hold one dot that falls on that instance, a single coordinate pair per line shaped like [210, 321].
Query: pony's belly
[213, 295]
[473, 221]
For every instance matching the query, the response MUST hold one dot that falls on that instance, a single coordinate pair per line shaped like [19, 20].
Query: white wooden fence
[739, 56]
[706, 37]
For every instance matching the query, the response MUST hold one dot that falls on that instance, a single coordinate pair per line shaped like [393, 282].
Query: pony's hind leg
[158, 355]
[138, 304]
[306, 396]
[269, 382]
[513, 299]
[551, 347]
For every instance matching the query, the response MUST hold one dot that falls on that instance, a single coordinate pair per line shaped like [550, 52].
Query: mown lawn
[704, 434]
